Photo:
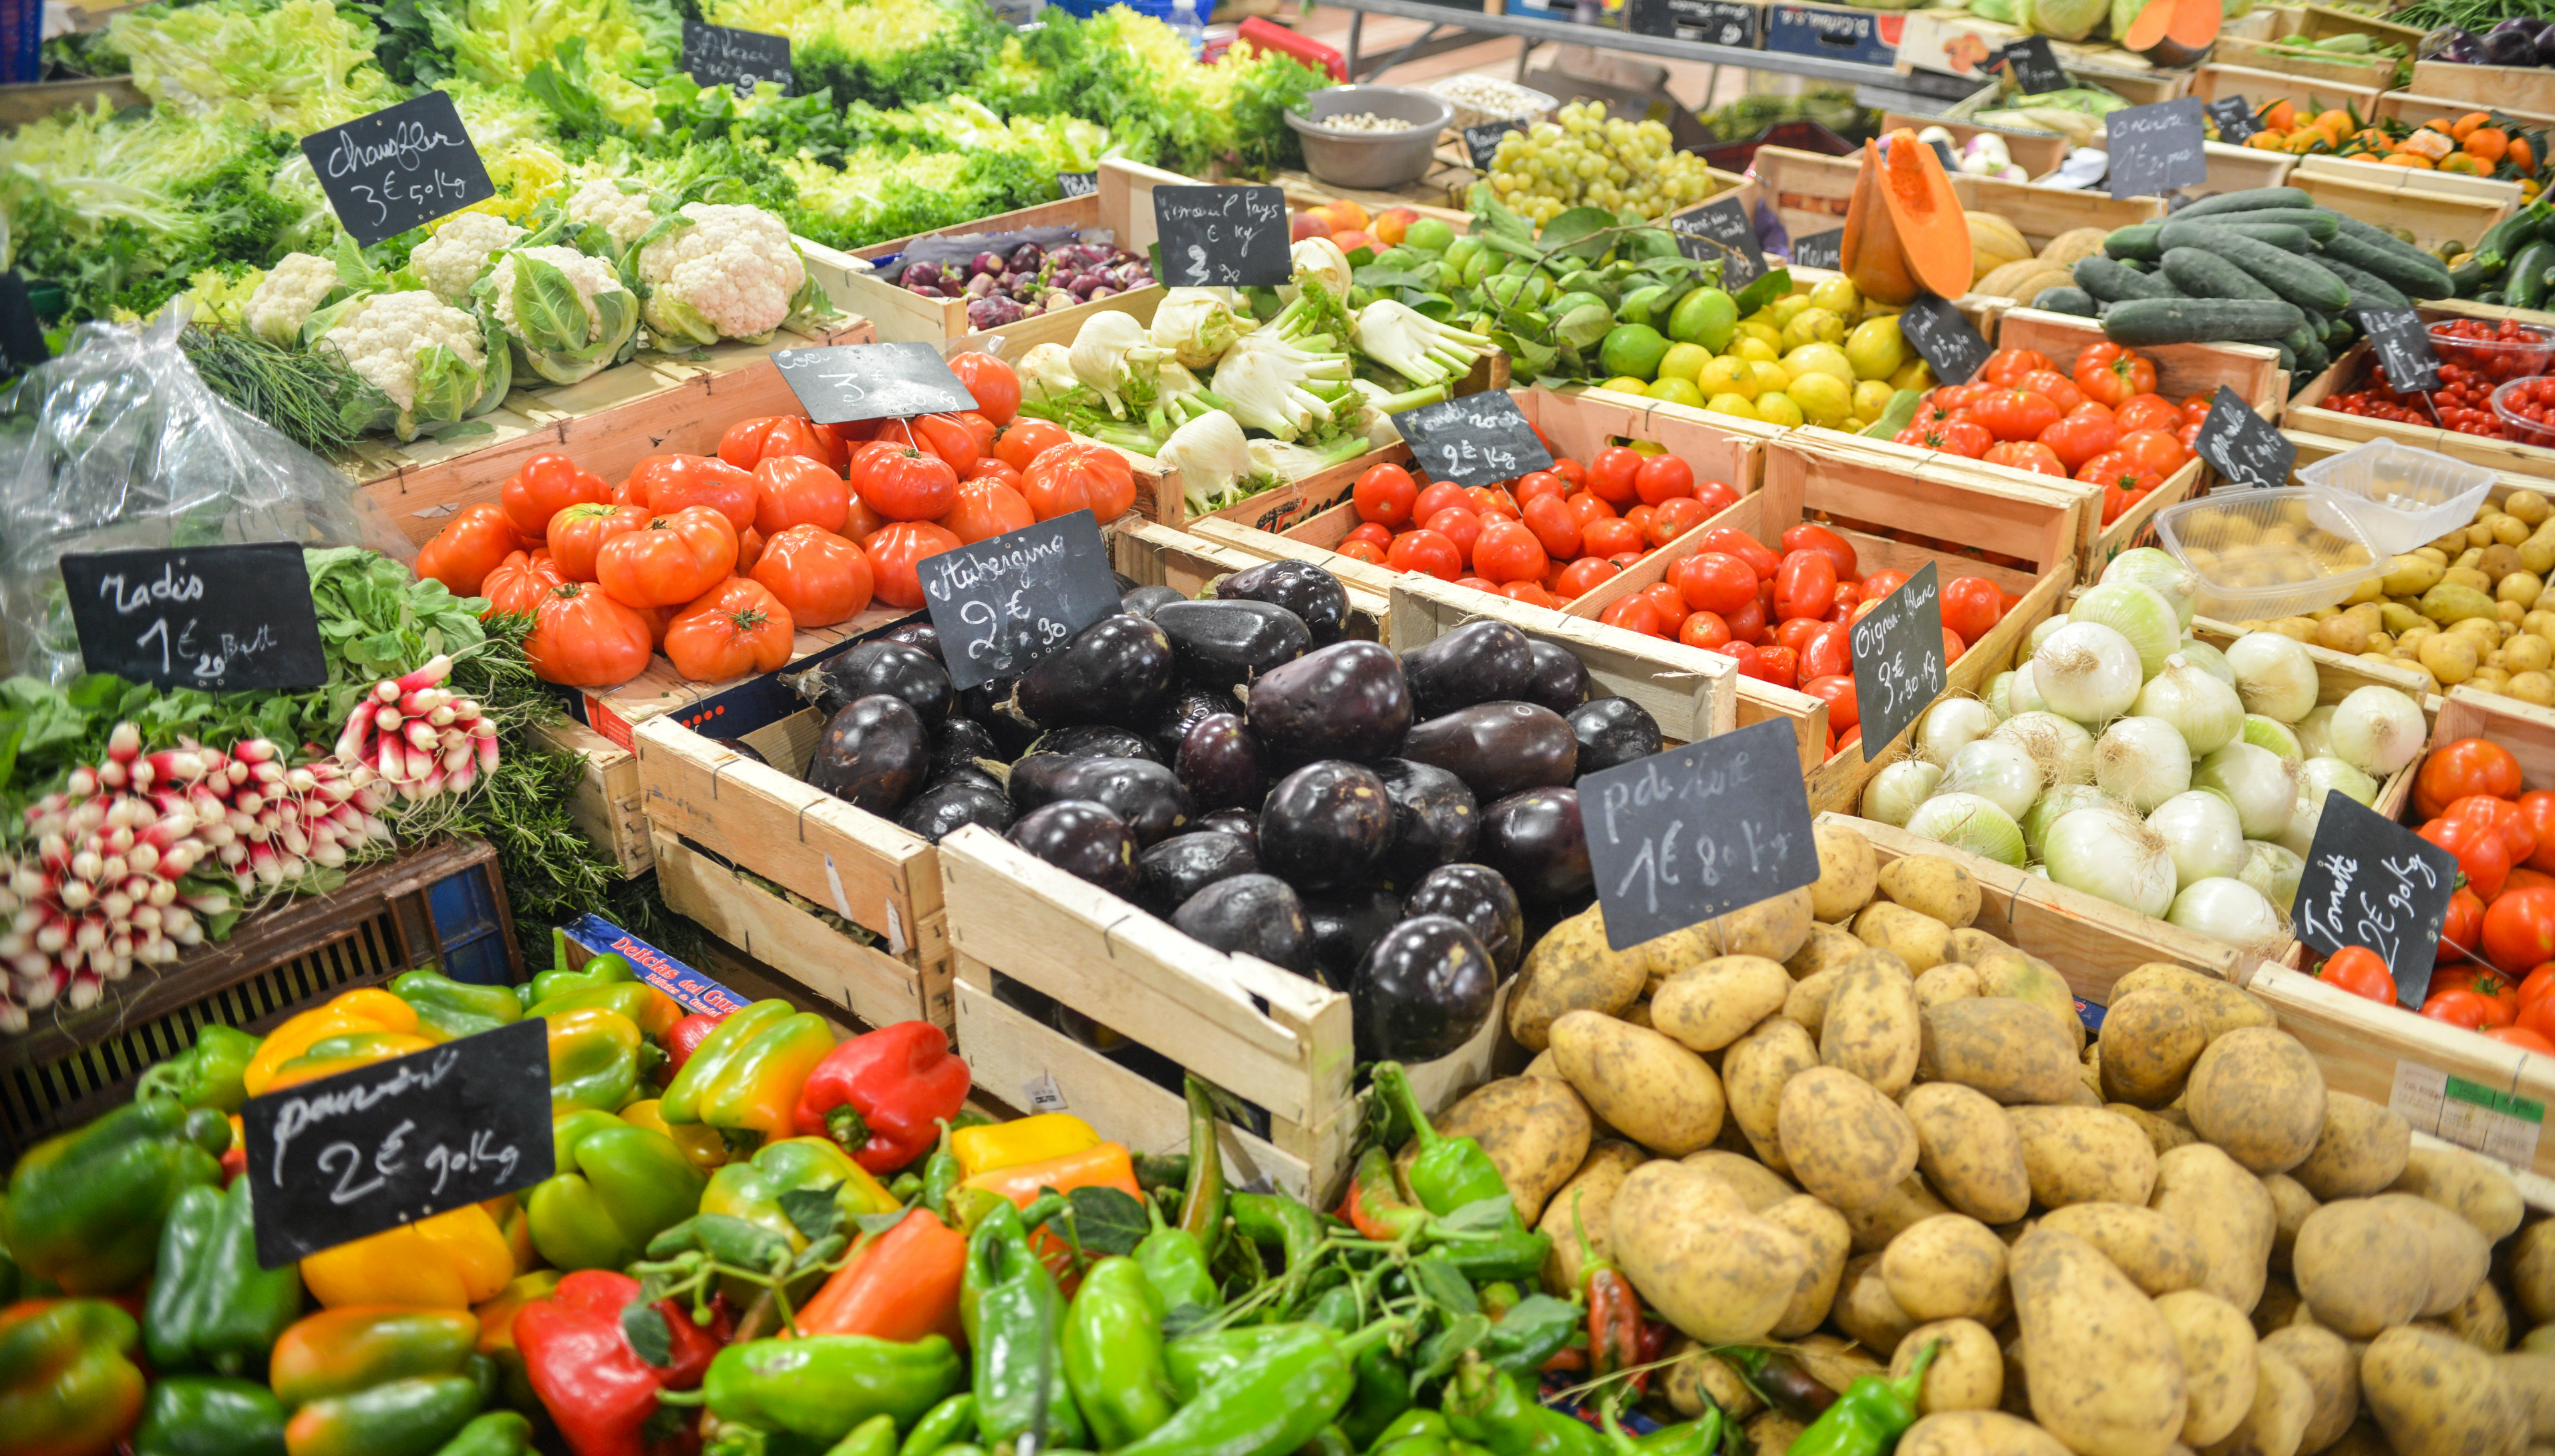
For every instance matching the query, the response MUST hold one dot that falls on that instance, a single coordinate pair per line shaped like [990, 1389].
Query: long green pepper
[1113, 1353]
[1016, 1331]
[1174, 1263]
[1870, 1415]
[1448, 1173]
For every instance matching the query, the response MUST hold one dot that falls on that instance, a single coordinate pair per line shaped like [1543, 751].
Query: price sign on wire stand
[1482, 143]
[2234, 118]
[2372, 881]
[1222, 235]
[1721, 229]
[2036, 66]
[2403, 344]
[1948, 343]
[1473, 440]
[400, 168]
[839, 383]
[1898, 659]
[1821, 249]
[2243, 445]
[723, 55]
[1005, 602]
[1681, 837]
[216, 618]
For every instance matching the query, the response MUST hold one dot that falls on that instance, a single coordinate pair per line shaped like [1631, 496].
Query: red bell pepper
[684, 1037]
[882, 1094]
[580, 1363]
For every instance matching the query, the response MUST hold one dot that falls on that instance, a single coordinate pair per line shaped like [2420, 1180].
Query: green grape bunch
[1583, 156]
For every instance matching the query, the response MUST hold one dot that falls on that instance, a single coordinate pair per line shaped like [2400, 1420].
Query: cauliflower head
[453, 258]
[430, 363]
[624, 217]
[565, 315]
[291, 291]
[725, 272]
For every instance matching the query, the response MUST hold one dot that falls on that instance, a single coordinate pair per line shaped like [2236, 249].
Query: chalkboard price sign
[1008, 600]
[1721, 229]
[839, 383]
[723, 55]
[1473, 440]
[2242, 445]
[1078, 183]
[2234, 118]
[2036, 66]
[2370, 881]
[1681, 837]
[22, 334]
[400, 168]
[1482, 143]
[1718, 22]
[2402, 342]
[216, 618]
[1821, 249]
[349, 1155]
[1222, 235]
[1945, 341]
[1898, 659]
[2157, 151]
[1649, 17]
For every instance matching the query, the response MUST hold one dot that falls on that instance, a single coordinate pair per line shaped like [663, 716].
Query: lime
[1632, 348]
[1430, 235]
[1876, 349]
[1732, 404]
[1775, 407]
[1823, 398]
[1683, 361]
[1813, 326]
[1673, 391]
[1706, 317]
[1627, 384]
[1837, 297]
[1724, 375]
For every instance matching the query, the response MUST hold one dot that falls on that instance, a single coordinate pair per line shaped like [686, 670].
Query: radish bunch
[417, 736]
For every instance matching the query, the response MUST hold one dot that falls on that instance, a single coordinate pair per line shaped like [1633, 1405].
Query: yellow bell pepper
[702, 1145]
[1026, 1140]
[370, 1009]
[516, 1226]
[344, 1053]
[452, 1261]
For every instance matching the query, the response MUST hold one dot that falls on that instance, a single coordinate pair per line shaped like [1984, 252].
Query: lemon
[1912, 375]
[1837, 297]
[1871, 398]
[1818, 359]
[1776, 407]
[1783, 310]
[1823, 398]
[1705, 316]
[1765, 378]
[1813, 326]
[1673, 391]
[1647, 447]
[1632, 348]
[1627, 384]
[1754, 351]
[1758, 329]
[1732, 404]
[1876, 349]
[1723, 375]
[1683, 361]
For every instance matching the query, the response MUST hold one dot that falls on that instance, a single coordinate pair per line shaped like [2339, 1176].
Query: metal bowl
[1355, 159]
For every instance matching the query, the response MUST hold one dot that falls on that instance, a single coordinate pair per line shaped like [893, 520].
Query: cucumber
[2367, 290]
[2299, 280]
[2413, 273]
[2138, 322]
[2201, 274]
[2068, 300]
[2302, 345]
[2525, 283]
[2253, 199]
[2280, 235]
[2107, 281]
[2320, 223]
[2137, 241]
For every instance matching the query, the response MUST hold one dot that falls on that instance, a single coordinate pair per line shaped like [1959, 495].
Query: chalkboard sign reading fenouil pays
[2234, 118]
[216, 618]
[1222, 235]
[1945, 341]
[839, 383]
[1681, 837]
[1899, 659]
[2370, 881]
[1008, 600]
[2243, 445]
[399, 168]
[2157, 151]
[1821, 249]
[2402, 342]
[1721, 229]
[335, 1160]
[723, 55]
[1473, 440]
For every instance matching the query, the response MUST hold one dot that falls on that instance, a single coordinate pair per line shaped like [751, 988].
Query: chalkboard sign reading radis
[839, 383]
[1008, 600]
[1681, 837]
[1473, 440]
[1222, 235]
[2370, 881]
[400, 168]
[216, 618]
[1899, 659]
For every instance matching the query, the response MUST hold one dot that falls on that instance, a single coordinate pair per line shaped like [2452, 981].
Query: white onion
[2004, 773]
[2273, 675]
[2378, 730]
[2055, 804]
[2315, 733]
[2109, 854]
[2232, 913]
[2261, 785]
[2204, 711]
[2160, 573]
[2138, 613]
[2275, 872]
[2023, 695]
[1894, 791]
[2299, 837]
[2206, 658]
[2141, 762]
[2268, 732]
[1994, 697]
[2040, 632]
[2063, 749]
[2319, 777]
[1949, 724]
[2202, 834]
[1967, 822]
[2086, 672]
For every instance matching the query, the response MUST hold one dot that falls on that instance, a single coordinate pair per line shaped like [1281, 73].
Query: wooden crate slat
[872, 986]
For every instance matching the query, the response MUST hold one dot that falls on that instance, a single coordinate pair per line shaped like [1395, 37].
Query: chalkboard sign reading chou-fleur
[400, 168]
[1681, 837]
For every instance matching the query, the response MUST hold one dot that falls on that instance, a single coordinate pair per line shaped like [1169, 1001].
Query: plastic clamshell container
[2267, 554]
[2529, 431]
[1362, 159]
[2497, 359]
[1524, 105]
[2404, 496]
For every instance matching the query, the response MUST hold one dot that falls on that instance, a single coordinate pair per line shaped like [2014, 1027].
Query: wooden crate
[606, 805]
[2516, 89]
[2242, 169]
[1809, 191]
[2407, 198]
[795, 936]
[2416, 107]
[2124, 74]
[2374, 73]
[2320, 22]
[2307, 413]
[36, 100]
[2259, 86]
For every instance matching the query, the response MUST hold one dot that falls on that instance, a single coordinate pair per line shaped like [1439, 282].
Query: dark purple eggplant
[1142, 601]
[1250, 914]
[900, 669]
[872, 755]
[1345, 928]
[1116, 671]
[1497, 749]
[962, 742]
[1347, 700]
[1226, 644]
[990, 703]
[1241, 823]
[1612, 732]
[1099, 741]
[1560, 680]
[2512, 43]
[1536, 841]
[2453, 42]
[916, 634]
[948, 804]
[1143, 794]
[1424, 990]
[1486, 904]
[1222, 765]
[1314, 596]
[1185, 863]
[1082, 839]
[1325, 825]
[1434, 818]
[1477, 662]
[1193, 706]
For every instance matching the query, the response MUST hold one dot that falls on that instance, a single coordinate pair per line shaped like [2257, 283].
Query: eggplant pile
[1381, 822]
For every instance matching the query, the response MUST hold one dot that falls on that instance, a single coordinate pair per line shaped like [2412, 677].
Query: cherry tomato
[1427, 551]
[1385, 495]
[2362, 971]
[1615, 474]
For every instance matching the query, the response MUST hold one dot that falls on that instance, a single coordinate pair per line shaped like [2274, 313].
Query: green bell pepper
[595, 1060]
[411, 1416]
[457, 1009]
[945, 1424]
[1448, 1173]
[206, 1074]
[86, 1207]
[1015, 1321]
[752, 1189]
[617, 1188]
[601, 970]
[496, 1434]
[823, 1386]
[66, 1388]
[201, 1415]
[210, 1304]
[1113, 1353]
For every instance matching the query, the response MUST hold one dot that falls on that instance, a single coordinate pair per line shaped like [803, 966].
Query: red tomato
[518, 583]
[1610, 536]
[1966, 438]
[905, 484]
[1583, 576]
[1384, 495]
[1953, 647]
[1572, 473]
[666, 484]
[997, 389]
[1438, 495]
[2006, 366]
[946, 437]
[749, 443]
[1536, 483]
[2462, 1008]
[1705, 630]
[2461, 932]
[821, 577]
[1363, 550]
[2111, 375]
[548, 483]
[1530, 592]
[1508, 552]
[2015, 414]
[1023, 442]
[1615, 474]
[1664, 478]
[672, 561]
[1881, 583]
[1743, 654]
[2113, 468]
[1369, 530]
[896, 553]
[1426, 550]
[2518, 836]
[1971, 607]
[1716, 496]
[1717, 582]
[986, 509]
[1734, 541]
[2155, 452]
[2026, 454]
[1668, 604]
[2362, 971]
[794, 490]
[1639, 518]
[1805, 585]
[582, 638]
[1487, 501]
[1585, 507]
[577, 533]
[1793, 631]
[1079, 477]
[1459, 525]
[2057, 388]
[1748, 623]
[1837, 692]
[993, 467]
[1829, 651]
[1815, 538]
[2523, 1038]
[2148, 412]
[1553, 525]
[1675, 519]
[2484, 858]
[1634, 613]
[748, 550]
[2080, 436]
[2469, 766]
[2538, 807]
[736, 627]
[1779, 665]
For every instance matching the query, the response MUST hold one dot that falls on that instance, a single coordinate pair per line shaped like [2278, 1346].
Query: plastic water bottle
[1186, 25]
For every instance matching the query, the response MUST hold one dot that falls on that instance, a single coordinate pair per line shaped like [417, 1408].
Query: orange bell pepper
[903, 1286]
[1106, 1166]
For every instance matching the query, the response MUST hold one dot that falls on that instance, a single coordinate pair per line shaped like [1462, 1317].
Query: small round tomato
[1384, 494]
[2148, 412]
[986, 509]
[1507, 551]
[2362, 971]
[1023, 442]
[2459, 770]
[1972, 606]
[1583, 576]
[821, 577]
[1610, 536]
[1428, 552]
[1438, 495]
[1535, 483]
[2080, 436]
[736, 627]
[993, 384]
[1369, 531]
[1460, 526]
[897, 554]
[2053, 386]
[1664, 478]
[1675, 519]
[1614, 475]
[1634, 613]
[1705, 630]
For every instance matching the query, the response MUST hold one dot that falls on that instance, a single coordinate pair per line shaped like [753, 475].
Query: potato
[1846, 871]
[1572, 969]
[1968, 1372]
[1590, 1191]
[2257, 1094]
[2217, 1344]
[2483, 1320]
[1949, 1266]
[1950, 981]
[2459, 1180]
[2436, 1395]
[2280, 1308]
[2083, 1155]
[1915, 937]
[1969, 1152]
[1967, 944]
[1758, 1187]
[1534, 1128]
[2224, 1007]
[1709, 1006]
[1872, 1027]
[1824, 1233]
[2150, 1038]
[1698, 1380]
[1720, 1273]
[2361, 1150]
[2006, 971]
[2164, 1132]
[2224, 1207]
[2332, 1370]
[2458, 1252]
[1836, 1362]
[2010, 1049]
[1865, 1310]
[1910, 1203]
[2531, 1259]
[1808, 1003]
[1978, 1433]
[1645, 1085]
[2355, 1267]
[2158, 1254]
[1774, 929]
[1846, 1142]
[1827, 946]
[2283, 1404]
[2531, 1378]
[2290, 1205]
[1932, 887]
[1771, 1433]
[1754, 1069]
[2103, 1366]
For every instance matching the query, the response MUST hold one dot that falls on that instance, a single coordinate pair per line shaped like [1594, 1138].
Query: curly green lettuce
[297, 67]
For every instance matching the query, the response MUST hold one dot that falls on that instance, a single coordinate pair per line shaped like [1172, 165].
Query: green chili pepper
[1488, 1406]
[1274, 1218]
[1336, 1308]
[1113, 1353]
[1449, 1172]
[1412, 1425]
[1016, 1330]
[875, 1436]
[1870, 1416]
[1330, 1440]
[1174, 1263]
[1383, 1395]
[943, 1426]
[1509, 1254]
[1202, 1200]
[1700, 1436]
[1271, 1406]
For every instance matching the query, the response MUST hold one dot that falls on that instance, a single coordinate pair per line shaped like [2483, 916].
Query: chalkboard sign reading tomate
[2157, 151]
[2403, 344]
[1898, 659]
[1473, 440]
[1222, 235]
[723, 55]
[2234, 118]
[839, 383]
[1681, 837]
[215, 617]
[335, 1160]
[1721, 229]
[400, 168]
[2370, 881]
[1821, 249]
[2241, 445]
[1008, 600]
[1945, 341]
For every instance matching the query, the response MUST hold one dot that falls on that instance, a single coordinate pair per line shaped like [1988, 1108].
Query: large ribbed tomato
[1079, 476]
[904, 484]
[673, 560]
[581, 530]
[819, 576]
[666, 484]
[548, 483]
[797, 491]
[582, 638]
[735, 628]
[470, 547]
[946, 437]
[987, 507]
[518, 583]
[749, 443]
[896, 555]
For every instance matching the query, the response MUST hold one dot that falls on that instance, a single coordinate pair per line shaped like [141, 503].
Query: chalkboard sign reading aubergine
[1004, 602]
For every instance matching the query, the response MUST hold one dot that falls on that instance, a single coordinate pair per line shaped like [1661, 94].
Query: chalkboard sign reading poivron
[2157, 151]
[1721, 229]
[1222, 235]
[723, 55]
[1899, 659]
[333, 1161]
[2036, 66]
[1008, 600]
[216, 618]
[2234, 118]
[839, 383]
[1473, 440]
[2370, 881]
[400, 168]
[2243, 445]
[1681, 837]
[1948, 343]
[1821, 249]
[2403, 344]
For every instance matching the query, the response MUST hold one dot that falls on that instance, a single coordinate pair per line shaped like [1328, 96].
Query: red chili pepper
[580, 1363]
[882, 1094]
[1374, 1203]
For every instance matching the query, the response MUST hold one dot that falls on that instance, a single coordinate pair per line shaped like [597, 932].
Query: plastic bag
[118, 446]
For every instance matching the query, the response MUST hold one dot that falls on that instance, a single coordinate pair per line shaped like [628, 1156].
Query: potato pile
[1846, 1122]
[2464, 609]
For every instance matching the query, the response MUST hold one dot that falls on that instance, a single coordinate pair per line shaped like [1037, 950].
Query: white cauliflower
[624, 216]
[726, 272]
[589, 276]
[431, 363]
[291, 291]
[455, 258]
[566, 314]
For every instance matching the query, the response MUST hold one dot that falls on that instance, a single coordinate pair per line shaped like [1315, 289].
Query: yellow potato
[1808, 1004]
[2150, 1038]
[2436, 1395]
[1871, 1026]
[1572, 969]
[2227, 1209]
[1824, 1233]
[2218, 1370]
[2531, 1378]
[1709, 1006]
[1826, 946]
[2257, 1094]
[1754, 1069]
[1917, 938]
[1937, 887]
[1968, 1372]
[2470, 1186]
[1846, 871]
[1534, 1128]
[2483, 1320]
[1643, 1084]
[1970, 1152]
[2332, 1370]
[1714, 1271]
[2458, 1253]
[2083, 1155]
[1846, 1142]
[1589, 1193]
[2164, 1134]
[1949, 1266]
[2290, 1205]
[1771, 1433]
[2361, 1150]
[1865, 1311]
[1978, 1433]
[2010, 1049]
[2283, 1404]
[1758, 1187]
[2006, 971]
[1908, 1203]
[2158, 1254]
[1948, 982]
[2104, 1369]
[1698, 1380]
[2355, 1266]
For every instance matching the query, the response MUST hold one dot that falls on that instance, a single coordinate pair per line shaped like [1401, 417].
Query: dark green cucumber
[2413, 273]
[2526, 282]
[2278, 235]
[2068, 300]
[2138, 322]
[2109, 281]
[2201, 274]
[2299, 280]
[2253, 199]
[2137, 241]
[2367, 290]
[2320, 223]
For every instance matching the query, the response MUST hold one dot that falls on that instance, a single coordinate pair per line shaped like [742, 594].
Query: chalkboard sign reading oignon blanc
[1899, 659]
[1681, 837]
